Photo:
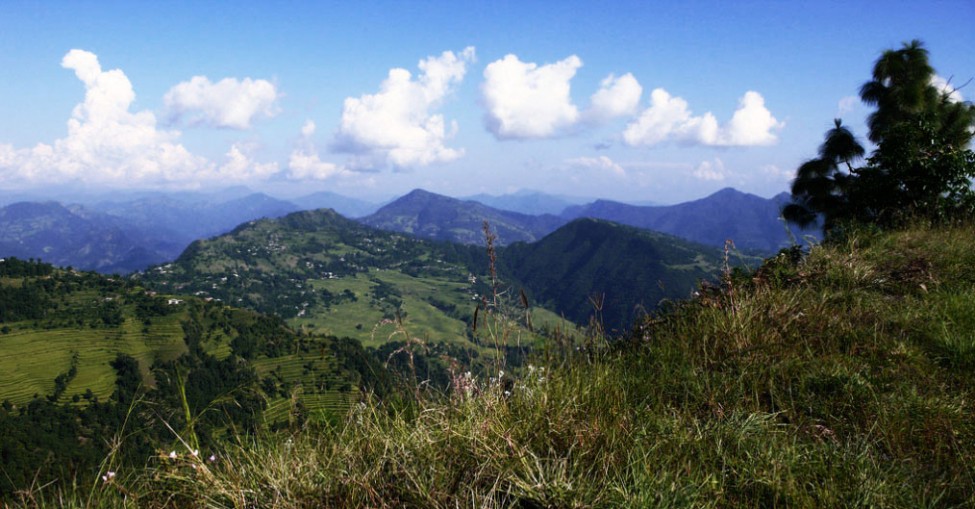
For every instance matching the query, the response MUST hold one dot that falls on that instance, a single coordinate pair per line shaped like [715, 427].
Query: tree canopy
[922, 164]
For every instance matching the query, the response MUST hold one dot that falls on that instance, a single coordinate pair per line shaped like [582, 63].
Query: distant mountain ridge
[66, 237]
[191, 219]
[124, 236]
[753, 223]
[348, 207]
[113, 235]
[532, 203]
[433, 216]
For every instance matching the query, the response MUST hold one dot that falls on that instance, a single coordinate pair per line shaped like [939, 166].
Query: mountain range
[110, 235]
[74, 236]
[123, 236]
[753, 223]
[439, 217]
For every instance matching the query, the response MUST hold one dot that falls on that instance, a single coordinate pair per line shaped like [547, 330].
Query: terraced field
[31, 358]
[84, 321]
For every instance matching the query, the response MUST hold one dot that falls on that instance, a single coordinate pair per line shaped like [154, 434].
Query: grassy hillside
[80, 352]
[842, 378]
[80, 320]
[327, 274]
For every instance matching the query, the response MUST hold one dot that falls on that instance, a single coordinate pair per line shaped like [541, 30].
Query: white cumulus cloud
[944, 86]
[616, 97]
[305, 164]
[601, 163]
[240, 166]
[752, 124]
[525, 100]
[395, 126]
[228, 103]
[108, 144]
[711, 170]
[669, 119]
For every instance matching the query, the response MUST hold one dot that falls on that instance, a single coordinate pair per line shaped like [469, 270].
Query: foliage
[922, 166]
[618, 272]
[15, 267]
[835, 378]
[320, 271]
[84, 354]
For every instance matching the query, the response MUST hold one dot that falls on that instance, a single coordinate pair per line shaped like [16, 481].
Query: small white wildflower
[212, 458]
[195, 453]
[172, 455]
[507, 394]
[501, 374]
[108, 476]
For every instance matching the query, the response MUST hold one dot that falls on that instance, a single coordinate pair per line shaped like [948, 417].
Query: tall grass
[842, 378]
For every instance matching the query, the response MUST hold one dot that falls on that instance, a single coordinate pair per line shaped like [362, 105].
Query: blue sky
[633, 101]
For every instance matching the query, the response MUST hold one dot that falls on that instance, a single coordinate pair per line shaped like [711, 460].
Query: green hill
[325, 273]
[623, 271]
[78, 350]
[838, 378]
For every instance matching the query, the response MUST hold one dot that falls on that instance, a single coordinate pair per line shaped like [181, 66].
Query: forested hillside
[613, 273]
[86, 360]
[322, 271]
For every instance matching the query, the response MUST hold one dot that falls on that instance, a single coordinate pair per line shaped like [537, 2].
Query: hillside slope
[323, 272]
[843, 378]
[78, 350]
[623, 271]
[320, 270]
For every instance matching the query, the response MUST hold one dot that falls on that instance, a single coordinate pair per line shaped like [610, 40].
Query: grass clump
[838, 378]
